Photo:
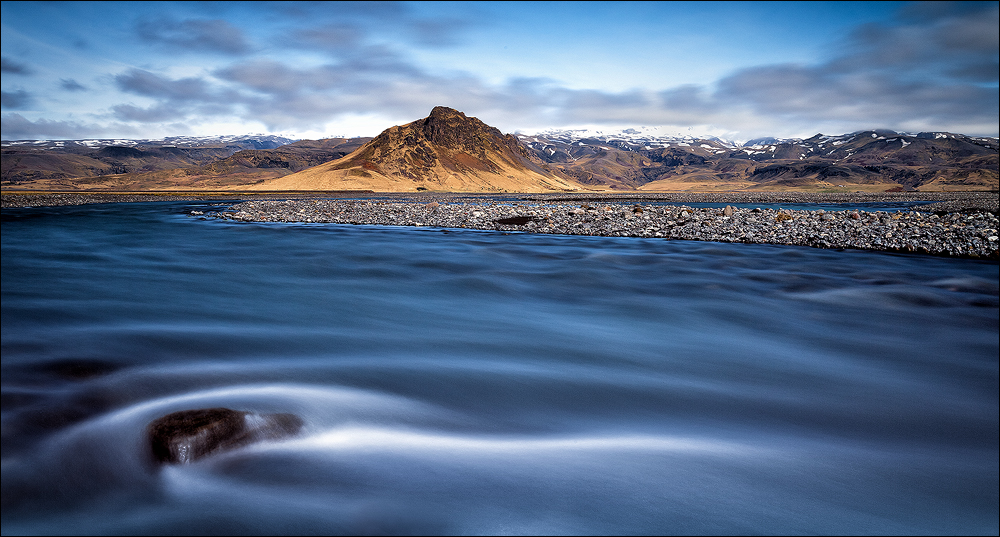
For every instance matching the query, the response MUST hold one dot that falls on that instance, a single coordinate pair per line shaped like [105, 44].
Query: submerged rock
[188, 435]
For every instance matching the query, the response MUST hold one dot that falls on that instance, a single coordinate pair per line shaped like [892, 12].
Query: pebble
[971, 233]
[958, 224]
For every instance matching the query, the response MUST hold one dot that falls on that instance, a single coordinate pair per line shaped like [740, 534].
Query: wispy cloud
[333, 37]
[145, 83]
[10, 66]
[333, 26]
[16, 126]
[16, 100]
[69, 84]
[154, 114]
[203, 35]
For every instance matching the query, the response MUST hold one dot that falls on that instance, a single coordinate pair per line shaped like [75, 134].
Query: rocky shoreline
[54, 199]
[961, 224]
[937, 201]
[60, 199]
[969, 233]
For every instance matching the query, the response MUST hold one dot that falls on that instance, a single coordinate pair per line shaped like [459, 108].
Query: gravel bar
[53, 200]
[970, 232]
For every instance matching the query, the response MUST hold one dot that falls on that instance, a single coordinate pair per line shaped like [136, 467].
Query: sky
[736, 70]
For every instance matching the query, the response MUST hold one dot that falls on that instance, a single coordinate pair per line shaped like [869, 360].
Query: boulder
[186, 436]
[514, 220]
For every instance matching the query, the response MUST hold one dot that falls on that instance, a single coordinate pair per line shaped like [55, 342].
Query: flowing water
[461, 381]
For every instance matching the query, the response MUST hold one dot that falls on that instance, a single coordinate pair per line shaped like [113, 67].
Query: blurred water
[460, 381]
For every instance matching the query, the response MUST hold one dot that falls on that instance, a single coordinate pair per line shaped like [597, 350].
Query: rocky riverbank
[935, 201]
[61, 198]
[969, 233]
[52, 199]
[960, 224]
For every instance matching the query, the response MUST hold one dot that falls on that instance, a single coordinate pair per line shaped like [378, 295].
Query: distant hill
[145, 165]
[444, 151]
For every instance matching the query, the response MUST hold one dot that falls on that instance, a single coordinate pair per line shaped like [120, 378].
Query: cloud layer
[934, 67]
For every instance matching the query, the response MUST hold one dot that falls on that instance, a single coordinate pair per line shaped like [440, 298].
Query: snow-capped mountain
[243, 141]
[631, 158]
[629, 139]
[571, 144]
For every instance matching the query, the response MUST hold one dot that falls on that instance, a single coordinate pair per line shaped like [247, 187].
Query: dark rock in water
[183, 437]
[514, 220]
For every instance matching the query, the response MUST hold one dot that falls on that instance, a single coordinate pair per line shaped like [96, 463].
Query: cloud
[275, 78]
[209, 35]
[934, 69]
[145, 83]
[329, 37]
[10, 66]
[335, 28]
[153, 114]
[17, 127]
[913, 72]
[69, 84]
[16, 100]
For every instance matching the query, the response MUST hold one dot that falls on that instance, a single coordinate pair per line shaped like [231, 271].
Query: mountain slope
[444, 151]
[62, 163]
[867, 160]
[145, 168]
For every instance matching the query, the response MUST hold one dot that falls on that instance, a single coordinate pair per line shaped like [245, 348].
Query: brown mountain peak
[452, 129]
[443, 112]
[446, 150]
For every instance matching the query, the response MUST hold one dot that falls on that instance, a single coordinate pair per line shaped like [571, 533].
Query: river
[464, 381]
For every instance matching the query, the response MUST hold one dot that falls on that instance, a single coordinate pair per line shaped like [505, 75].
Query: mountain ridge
[864, 159]
[448, 150]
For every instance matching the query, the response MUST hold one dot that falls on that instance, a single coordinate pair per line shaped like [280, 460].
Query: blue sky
[312, 69]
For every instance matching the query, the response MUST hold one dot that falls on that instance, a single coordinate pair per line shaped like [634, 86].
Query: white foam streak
[372, 439]
[320, 407]
[271, 394]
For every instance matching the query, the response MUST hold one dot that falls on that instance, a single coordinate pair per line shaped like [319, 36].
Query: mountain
[867, 160]
[144, 165]
[444, 151]
[449, 151]
[237, 141]
[63, 161]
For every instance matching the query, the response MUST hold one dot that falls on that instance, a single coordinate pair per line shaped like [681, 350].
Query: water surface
[462, 381]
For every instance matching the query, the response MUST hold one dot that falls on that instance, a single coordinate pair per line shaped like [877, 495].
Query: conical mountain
[444, 151]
